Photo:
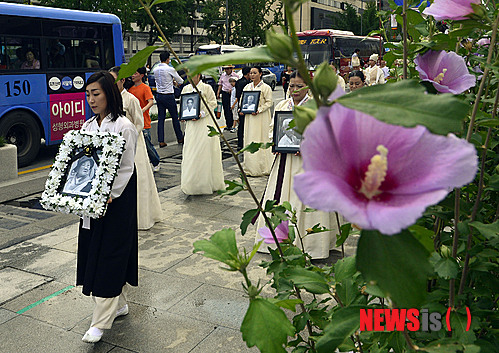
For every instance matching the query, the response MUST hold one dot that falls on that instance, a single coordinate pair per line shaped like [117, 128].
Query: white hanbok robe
[256, 129]
[202, 171]
[374, 75]
[316, 245]
[148, 204]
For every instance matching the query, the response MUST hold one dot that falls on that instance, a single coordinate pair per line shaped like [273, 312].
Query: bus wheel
[20, 129]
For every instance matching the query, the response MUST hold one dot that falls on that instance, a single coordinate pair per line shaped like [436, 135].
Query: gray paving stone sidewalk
[184, 302]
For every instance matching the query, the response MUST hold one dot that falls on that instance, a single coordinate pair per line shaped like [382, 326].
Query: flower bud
[303, 117]
[280, 46]
[325, 80]
[479, 12]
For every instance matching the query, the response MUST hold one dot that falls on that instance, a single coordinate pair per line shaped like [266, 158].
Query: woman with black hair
[356, 80]
[280, 187]
[257, 126]
[108, 247]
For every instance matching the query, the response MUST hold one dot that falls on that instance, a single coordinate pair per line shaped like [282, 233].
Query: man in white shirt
[374, 75]
[164, 76]
[385, 69]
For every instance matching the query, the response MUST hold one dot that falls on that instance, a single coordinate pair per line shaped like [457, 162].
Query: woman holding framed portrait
[280, 186]
[202, 171]
[257, 125]
[107, 257]
[148, 204]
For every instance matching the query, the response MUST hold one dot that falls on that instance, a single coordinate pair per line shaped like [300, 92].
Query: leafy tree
[370, 20]
[350, 20]
[248, 20]
[125, 10]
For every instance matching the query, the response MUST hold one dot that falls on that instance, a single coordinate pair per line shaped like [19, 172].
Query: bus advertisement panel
[332, 45]
[46, 56]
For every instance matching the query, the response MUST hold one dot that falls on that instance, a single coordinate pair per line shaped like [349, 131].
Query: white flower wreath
[93, 205]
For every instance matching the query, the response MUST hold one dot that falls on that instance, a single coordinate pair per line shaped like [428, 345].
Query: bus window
[45, 58]
[19, 26]
[316, 50]
[21, 53]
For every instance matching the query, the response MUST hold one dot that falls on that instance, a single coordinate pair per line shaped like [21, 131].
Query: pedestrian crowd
[108, 247]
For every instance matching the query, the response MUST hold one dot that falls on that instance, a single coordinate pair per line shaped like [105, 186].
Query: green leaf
[314, 282]
[138, 60]
[397, 264]
[213, 131]
[424, 236]
[247, 218]
[405, 103]
[156, 2]
[344, 322]
[447, 267]
[255, 146]
[233, 187]
[199, 63]
[344, 268]
[266, 326]
[345, 230]
[489, 231]
[289, 304]
[221, 247]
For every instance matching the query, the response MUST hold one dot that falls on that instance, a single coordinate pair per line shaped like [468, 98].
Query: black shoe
[180, 141]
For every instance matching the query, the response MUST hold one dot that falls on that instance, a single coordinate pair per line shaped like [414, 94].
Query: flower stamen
[440, 76]
[376, 173]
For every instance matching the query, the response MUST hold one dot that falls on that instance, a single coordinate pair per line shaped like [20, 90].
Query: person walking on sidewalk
[144, 94]
[148, 204]
[240, 84]
[225, 88]
[257, 126]
[107, 257]
[165, 75]
[280, 187]
[202, 171]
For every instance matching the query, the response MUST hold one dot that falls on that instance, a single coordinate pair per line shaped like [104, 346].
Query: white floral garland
[94, 205]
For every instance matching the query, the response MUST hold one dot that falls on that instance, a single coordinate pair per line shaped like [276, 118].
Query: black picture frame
[249, 101]
[73, 182]
[189, 112]
[285, 140]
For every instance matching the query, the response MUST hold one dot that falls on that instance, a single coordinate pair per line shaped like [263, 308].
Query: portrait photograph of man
[189, 106]
[286, 140]
[250, 102]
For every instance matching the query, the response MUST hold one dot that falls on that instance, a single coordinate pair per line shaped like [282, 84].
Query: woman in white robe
[285, 168]
[202, 171]
[256, 127]
[148, 203]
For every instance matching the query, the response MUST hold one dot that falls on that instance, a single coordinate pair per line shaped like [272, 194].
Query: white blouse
[124, 127]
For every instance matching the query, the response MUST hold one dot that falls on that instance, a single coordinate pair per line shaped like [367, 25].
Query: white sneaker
[123, 311]
[93, 335]
[156, 168]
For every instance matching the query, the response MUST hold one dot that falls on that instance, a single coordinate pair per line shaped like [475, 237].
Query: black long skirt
[108, 251]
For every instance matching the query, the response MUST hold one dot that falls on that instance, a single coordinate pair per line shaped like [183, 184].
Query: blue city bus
[46, 56]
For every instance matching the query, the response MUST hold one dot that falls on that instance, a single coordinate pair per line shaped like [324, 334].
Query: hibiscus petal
[450, 9]
[326, 192]
[401, 211]
[434, 162]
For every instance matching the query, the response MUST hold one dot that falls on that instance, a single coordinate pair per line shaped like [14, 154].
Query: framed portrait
[83, 173]
[286, 140]
[189, 106]
[249, 101]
